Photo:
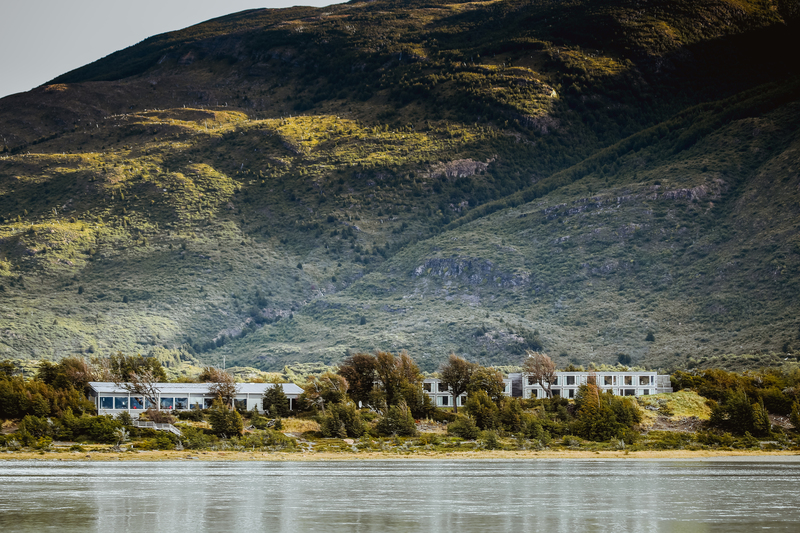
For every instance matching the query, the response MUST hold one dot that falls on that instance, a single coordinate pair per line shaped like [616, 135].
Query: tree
[342, 420]
[326, 388]
[488, 380]
[7, 369]
[541, 369]
[483, 410]
[455, 374]
[221, 384]
[225, 422]
[397, 421]
[397, 377]
[794, 418]
[275, 401]
[359, 371]
[135, 374]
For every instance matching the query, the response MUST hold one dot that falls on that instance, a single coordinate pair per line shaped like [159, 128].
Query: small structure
[111, 399]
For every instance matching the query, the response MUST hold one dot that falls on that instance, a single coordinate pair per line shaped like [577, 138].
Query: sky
[41, 39]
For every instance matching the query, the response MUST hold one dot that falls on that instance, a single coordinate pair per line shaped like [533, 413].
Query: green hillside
[598, 179]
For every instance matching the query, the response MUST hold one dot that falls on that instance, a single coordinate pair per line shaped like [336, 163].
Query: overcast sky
[40, 39]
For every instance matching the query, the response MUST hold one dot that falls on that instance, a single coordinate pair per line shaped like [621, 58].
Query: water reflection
[388, 496]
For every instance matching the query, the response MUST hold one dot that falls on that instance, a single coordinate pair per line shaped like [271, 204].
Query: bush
[159, 417]
[489, 440]
[463, 427]
[483, 410]
[195, 415]
[342, 420]
[398, 421]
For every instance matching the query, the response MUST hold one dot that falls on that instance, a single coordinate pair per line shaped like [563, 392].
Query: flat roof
[109, 387]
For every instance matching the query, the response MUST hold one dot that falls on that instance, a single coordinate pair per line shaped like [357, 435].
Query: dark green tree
[225, 422]
[359, 371]
[456, 374]
[275, 401]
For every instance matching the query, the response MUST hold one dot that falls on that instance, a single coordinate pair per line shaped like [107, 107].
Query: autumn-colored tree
[539, 367]
[220, 384]
[325, 388]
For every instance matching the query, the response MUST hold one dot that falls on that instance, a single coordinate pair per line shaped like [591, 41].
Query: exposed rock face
[460, 168]
[473, 271]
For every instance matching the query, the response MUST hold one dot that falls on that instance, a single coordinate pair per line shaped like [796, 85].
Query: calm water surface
[386, 496]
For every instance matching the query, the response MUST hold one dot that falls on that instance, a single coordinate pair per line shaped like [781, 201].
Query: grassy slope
[131, 222]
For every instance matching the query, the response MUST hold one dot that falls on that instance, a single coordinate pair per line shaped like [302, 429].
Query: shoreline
[240, 456]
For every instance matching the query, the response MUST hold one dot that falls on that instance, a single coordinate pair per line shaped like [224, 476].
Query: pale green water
[550, 496]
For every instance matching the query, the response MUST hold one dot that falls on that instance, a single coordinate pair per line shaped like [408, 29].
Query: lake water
[405, 495]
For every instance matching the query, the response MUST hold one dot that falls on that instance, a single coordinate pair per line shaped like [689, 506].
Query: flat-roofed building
[111, 399]
[626, 383]
[442, 397]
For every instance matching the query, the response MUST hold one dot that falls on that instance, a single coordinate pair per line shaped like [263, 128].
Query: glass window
[207, 403]
[570, 381]
[646, 392]
[148, 404]
[555, 380]
[181, 403]
[571, 393]
[120, 403]
[197, 405]
[534, 393]
[607, 381]
[628, 380]
[137, 403]
[426, 387]
[442, 387]
[167, 403]
[531, 381]
[106, 402]
[644, 380]
[445, 400]
[240, 405]
[629, 392]
[556, 392]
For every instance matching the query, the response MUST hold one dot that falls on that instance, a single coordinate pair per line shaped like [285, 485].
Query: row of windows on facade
[570, 393]
[117, 402]
[607, 381]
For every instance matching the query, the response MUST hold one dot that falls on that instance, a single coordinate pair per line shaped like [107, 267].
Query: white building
[442, 397]
[566, 384]
[111, 399]
[631, 383]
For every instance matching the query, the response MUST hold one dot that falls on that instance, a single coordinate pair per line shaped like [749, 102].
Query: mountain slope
[474, 177]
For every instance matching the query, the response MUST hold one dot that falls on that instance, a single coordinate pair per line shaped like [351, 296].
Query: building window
[571, 393]
[628, 380]
[646, 392]
[426, 387]
[148, 404]
[196, 405]
[208, 402]
[556, 392]
[607, 381]
[137, 403]
[629, 392]
[181, 403]
[531, 381]
[240, 405]
[534, 393]
[645, 380]
[445, 401]
[120, 403]
[442, 387]
[570, 381]
[106, 402]
[555, 381]
[167, 403]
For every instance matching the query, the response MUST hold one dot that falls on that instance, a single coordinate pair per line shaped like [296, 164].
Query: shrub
[463, 427]
[160, 417]
[195, 415]
[483, 410]
[397, 421]
[342, 420]
[489, 439]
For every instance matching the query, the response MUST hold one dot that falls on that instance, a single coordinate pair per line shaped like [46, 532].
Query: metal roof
[290, 389]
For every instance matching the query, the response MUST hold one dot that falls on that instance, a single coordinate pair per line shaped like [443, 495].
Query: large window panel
[106, 402]
[181, 403]
[137, 403]
[120, 403]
